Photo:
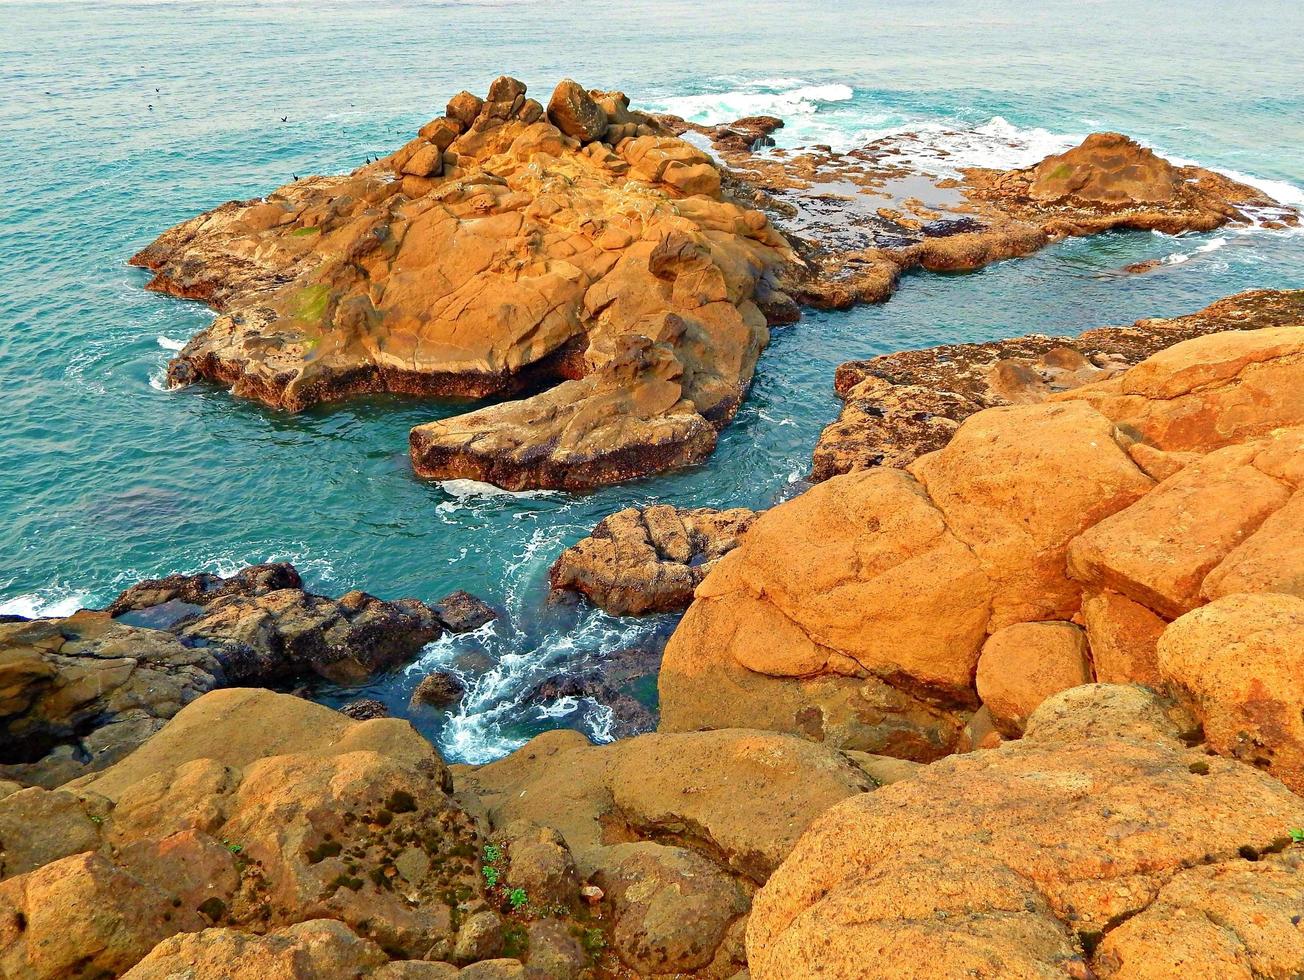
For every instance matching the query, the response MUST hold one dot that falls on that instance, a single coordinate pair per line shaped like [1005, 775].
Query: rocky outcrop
[504, 249]
[1082, 850]
[899, 406]
[650, 559]
[862, 218]
[258, 831]
[861, 612]
[80, 692]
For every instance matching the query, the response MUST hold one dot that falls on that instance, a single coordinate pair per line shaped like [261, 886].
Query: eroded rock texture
[502, 249]
[899, 406]
[651, 559]
[1085, 849]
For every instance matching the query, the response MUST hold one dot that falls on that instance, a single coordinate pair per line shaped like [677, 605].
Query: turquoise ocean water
[105, 478]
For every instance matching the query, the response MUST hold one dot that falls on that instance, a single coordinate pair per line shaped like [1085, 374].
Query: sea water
[120, 119]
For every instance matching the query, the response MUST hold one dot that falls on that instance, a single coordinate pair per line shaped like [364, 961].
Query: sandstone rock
[39, 826]
[337, 819]
[479, 938]
[858, 580]
[1159, 550]
[1122, 635]
[319, 949]
[203, 588]
[84, 916]
[653, 822]
[79, 693]
[1271, 559]
[1024, 664]
[1237, 660]
[1230, 920]
[542, 864]
[1210, 392]
[673, 907]
[572, 110]
[365, 709]
[511, 258]
[1033, 851]
[461, 612]
[1106, 168]
[555, 954]
[785, 780]
[648, 560]
[990, 484]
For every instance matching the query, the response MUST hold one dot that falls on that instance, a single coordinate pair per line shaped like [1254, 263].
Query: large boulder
[1240, 662]
[1056, 538]
[572, 110]
[323, 816]
[498, 251]
[1017, 861]
[1106, 168]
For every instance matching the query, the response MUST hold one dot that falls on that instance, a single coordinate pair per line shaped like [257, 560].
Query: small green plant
[517, 899]
[491, 875]
[233, 848]
[492, 853]
[593, 941]
[1297, 835]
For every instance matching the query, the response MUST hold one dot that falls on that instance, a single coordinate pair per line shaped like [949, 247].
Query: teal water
[105, 479]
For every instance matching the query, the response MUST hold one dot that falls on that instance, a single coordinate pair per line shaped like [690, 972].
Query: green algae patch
[1060, 172]
[302, 232]
[310, 303]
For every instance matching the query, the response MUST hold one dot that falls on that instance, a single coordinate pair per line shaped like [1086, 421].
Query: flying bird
[284, 118]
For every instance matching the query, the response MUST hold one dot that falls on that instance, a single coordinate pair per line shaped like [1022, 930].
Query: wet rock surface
[78, 693]
[859, 219]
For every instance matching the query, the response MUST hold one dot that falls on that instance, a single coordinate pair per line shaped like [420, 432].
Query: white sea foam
[36, 605]
[470, 492]
[718, 107]
[167, 343]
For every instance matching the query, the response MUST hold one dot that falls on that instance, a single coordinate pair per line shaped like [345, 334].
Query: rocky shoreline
[1014, 688]
[616, 276]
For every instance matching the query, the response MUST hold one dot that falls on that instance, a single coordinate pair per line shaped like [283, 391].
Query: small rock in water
[439, 689]
[364, 709]
[461, 612]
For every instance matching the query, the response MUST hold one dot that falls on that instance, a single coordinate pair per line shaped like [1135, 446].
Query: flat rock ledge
[79, 692]
[645, 560]
[580, 254]
[899, 406]
[862, 218]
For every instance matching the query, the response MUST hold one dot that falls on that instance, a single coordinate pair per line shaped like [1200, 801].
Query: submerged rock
[497, 252]
[648, 560]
